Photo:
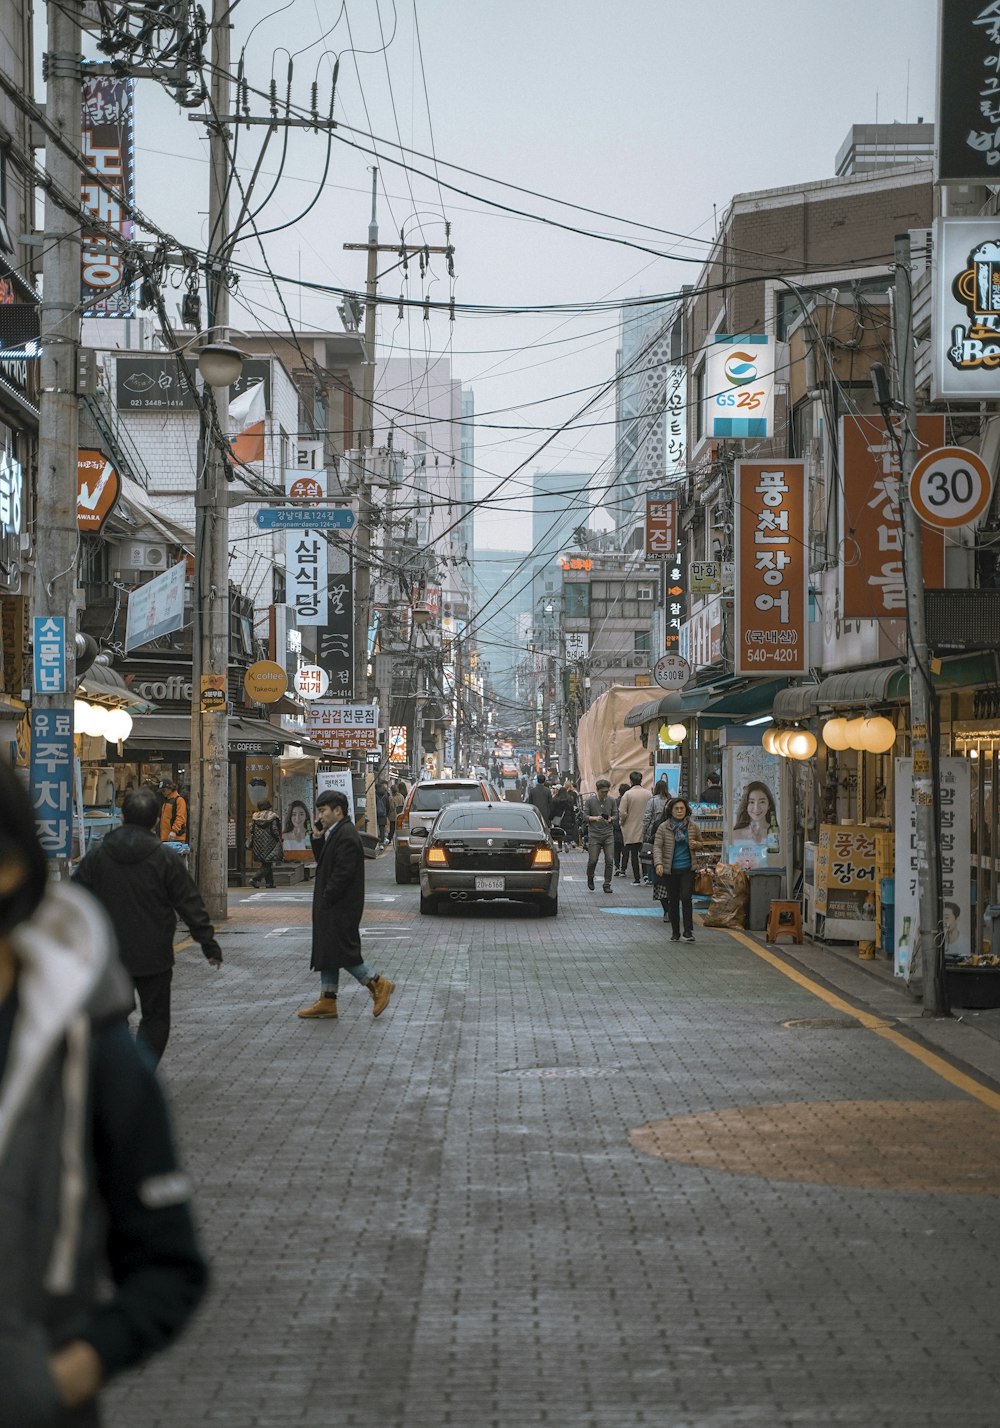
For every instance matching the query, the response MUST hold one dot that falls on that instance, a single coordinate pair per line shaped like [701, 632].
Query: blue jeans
[330, 981]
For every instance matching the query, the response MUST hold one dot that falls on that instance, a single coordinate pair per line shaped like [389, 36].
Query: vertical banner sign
[661, 524]
[771, 568]
[52, 778]
[335, 653]
[965, 307]
[49, 643]
[954, 841]
[108, 143]
[306, 555]
[675, 419]
[674, 604]
[968, 110]
[739, 387]
[845, 882]
[872, 529]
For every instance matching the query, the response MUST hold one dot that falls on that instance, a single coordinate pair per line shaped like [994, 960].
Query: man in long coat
[338, 905]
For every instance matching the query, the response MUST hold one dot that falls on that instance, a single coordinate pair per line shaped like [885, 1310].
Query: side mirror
[418, 832]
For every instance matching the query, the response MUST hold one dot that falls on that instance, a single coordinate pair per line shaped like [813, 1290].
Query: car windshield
[428, 798]
[492, 818]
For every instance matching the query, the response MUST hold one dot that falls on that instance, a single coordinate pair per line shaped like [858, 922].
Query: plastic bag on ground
[730, 897]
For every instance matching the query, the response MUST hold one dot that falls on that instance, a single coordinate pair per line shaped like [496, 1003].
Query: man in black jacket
[338, 906]
[144, 887]
[540, 795]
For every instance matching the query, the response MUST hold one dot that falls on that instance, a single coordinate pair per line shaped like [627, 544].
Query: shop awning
[677, 704]
[797, 702]
[171, 733]
[886, 684]
[743, 699]
[103, 683]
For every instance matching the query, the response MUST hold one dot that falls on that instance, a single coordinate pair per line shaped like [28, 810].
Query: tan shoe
[325, 1007]
[381, 989]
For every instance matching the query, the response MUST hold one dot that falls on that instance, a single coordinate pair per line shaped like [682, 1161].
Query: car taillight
[437, 857]
[543, 858]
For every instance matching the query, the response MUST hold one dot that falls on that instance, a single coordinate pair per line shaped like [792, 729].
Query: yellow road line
[880, 1027]
[180, 946]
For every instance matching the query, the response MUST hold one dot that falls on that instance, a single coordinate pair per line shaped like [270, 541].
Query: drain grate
[823, 1023]
[558, 1073]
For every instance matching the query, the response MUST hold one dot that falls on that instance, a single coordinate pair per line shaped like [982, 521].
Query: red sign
[771, 568]
[306, 488]
[98, 487]
[661, 525]
[871, 553]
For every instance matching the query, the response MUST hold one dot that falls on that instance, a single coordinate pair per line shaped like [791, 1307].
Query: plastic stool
[784, 919]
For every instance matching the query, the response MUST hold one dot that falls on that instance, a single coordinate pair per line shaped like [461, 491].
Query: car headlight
[437, 857]
[542, 858]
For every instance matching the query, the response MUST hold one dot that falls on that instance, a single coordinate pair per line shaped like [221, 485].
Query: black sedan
[484, 851]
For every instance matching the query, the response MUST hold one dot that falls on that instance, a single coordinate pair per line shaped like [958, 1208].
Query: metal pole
[57, 543]
[362, 544]
[923, 711]
[210, 635]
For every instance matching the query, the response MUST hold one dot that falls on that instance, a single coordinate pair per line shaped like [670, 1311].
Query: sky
[654, 112]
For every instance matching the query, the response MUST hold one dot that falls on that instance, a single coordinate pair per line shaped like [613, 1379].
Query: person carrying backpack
[173, 813]
[265, 843]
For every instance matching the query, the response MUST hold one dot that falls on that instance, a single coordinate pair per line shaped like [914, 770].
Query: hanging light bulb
[781, 739]
[677, 732]
[834, 733]
[879, 735]
[767, 740]
[81, 712]
[854, 733]
[117, 726]
[96, 721]
[801, 745]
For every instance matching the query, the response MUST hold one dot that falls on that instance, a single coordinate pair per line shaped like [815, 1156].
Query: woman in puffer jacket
[675, 846]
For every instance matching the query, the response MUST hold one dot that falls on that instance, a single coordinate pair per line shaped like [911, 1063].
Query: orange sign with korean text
[871, 552]
[661, 524]
[771, 610]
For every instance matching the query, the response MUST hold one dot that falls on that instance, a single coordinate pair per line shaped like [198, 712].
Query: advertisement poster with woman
[753, 806]
[297, 802]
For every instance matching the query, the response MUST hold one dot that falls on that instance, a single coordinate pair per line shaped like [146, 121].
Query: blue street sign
[302, 518]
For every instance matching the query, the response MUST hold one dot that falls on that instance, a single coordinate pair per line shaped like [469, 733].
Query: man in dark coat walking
[144, 887]
[540, 795]
[338, 905]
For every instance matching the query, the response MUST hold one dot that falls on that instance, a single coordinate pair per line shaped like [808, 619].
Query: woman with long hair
[756, 814]
[296, 836]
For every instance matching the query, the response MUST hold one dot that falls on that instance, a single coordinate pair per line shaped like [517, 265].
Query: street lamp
[220, 364]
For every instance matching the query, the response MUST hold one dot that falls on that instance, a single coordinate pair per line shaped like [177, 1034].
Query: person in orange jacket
[173, 813]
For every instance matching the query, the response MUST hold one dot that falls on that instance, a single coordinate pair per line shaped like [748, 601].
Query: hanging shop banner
[661, 524]
[872, 564]
[967, 128]
[306, 567]
[107, 193]
[311, 682]
[335, 640]
[343, 728]
[154, 384]
[51, 778]
[739, 387]
[845, 883]
[156, 608]
[965, 308]
[98, 487]
[49, 646]
[954, 841]
[674, 605]
[771, 568]
[752, 795]
[337, 781]
[675, 412]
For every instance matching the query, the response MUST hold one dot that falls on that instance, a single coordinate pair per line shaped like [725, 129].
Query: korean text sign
[49, 635]
[341, 728]
[51, 778]
[873, 584]
[661, 524]
[306, 561]
[771, 568]
[968, 122]
[954, 841]
[107, 192]
[845, 881]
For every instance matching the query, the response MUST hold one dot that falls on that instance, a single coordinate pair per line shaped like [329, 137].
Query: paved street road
[575, 1176]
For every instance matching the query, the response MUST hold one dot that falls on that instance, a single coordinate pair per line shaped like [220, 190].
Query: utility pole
[210, 634]
[57, 542]
[366, 444]
[923, 711]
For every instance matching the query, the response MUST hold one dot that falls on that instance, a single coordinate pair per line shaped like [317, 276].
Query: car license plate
[489, 885]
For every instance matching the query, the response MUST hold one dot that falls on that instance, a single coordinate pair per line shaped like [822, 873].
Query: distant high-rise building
[650, 347]
[502, 585]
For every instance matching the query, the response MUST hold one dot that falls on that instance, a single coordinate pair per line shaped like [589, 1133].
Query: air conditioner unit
[142, 555]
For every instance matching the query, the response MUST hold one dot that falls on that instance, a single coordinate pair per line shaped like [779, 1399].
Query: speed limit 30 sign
[950, 487]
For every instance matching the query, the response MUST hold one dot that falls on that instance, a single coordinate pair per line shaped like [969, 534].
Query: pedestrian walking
[338, 906]
[101, 1265]
[619, 840]
[265, 843]
[540, 795]
[564, 814]
[144, 887]
[173, 813]
[677, 840]
[631, 811]
[599, 811]
[382, 812]
[656, 810]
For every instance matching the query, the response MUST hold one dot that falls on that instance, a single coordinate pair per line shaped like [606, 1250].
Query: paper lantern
[780, 742]
[88, 719]
[834, 733]
[879, 735]
[801, 745]
[677, 732]
[117, 726]
[767, 740]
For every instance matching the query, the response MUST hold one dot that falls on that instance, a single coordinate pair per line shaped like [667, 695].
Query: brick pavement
[574, 1176]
